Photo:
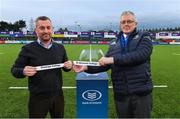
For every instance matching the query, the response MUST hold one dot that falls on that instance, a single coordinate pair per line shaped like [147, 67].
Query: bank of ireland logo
[92, 95]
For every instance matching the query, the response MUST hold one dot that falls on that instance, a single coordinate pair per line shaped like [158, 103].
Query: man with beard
[45, 87]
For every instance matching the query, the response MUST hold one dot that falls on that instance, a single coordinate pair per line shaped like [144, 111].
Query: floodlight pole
[90, 48]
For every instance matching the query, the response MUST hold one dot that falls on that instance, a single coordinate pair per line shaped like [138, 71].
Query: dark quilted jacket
[131, 72]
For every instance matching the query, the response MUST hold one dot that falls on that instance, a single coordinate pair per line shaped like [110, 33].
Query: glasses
[128, 22]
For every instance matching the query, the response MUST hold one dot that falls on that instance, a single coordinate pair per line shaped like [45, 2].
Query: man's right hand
[79, 68]
[29, 71]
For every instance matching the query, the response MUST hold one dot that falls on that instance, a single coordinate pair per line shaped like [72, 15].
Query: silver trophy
[89, 57]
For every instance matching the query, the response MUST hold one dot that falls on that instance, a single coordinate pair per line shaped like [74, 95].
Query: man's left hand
[106, 60]
[68, 64]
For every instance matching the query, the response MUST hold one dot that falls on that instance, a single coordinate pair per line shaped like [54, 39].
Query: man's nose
[46, 30]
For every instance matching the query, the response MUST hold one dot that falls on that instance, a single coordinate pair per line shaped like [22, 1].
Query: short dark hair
[42, 18]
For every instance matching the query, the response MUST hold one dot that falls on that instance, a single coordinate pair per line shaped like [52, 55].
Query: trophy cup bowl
[89, 57]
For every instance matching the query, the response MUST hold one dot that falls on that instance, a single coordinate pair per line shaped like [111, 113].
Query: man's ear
[136, 23]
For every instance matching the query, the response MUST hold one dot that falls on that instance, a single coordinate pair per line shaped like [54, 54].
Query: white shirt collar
[125, 36]
[42, 44]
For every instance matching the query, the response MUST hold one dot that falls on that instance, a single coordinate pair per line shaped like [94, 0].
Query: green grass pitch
[165, 65]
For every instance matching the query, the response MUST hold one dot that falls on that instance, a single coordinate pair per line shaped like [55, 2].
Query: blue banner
[85, 34]
[4, 33]
[58, 32]
[17, 34]
[163, 34]
[175, 34]
[98, 35]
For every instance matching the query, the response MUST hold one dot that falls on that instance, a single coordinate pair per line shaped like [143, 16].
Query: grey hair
[42, 18]
[129, 13]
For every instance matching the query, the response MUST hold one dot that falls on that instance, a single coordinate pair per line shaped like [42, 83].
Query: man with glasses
[129, 60]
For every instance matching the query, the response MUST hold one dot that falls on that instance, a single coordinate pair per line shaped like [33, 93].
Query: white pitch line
[73, 87]
[176, 53]
[160, 86]
[64, 87]
[18, 88]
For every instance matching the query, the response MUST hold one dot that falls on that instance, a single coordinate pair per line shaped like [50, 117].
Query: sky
[93, 14]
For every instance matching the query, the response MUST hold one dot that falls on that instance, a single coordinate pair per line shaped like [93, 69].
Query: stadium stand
[84, 37]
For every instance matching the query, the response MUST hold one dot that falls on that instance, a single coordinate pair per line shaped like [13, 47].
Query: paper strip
[85, 63]
[52, 66]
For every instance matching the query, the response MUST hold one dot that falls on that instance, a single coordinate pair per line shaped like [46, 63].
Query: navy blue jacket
[131, 72]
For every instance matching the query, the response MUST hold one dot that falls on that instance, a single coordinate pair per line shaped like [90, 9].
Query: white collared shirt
[125, 36]
[42, 44]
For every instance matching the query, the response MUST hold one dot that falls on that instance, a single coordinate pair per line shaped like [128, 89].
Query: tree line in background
[16, 26]
[19, 25]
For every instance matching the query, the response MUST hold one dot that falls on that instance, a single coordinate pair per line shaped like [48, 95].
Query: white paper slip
[52, 66]
[85, 63]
